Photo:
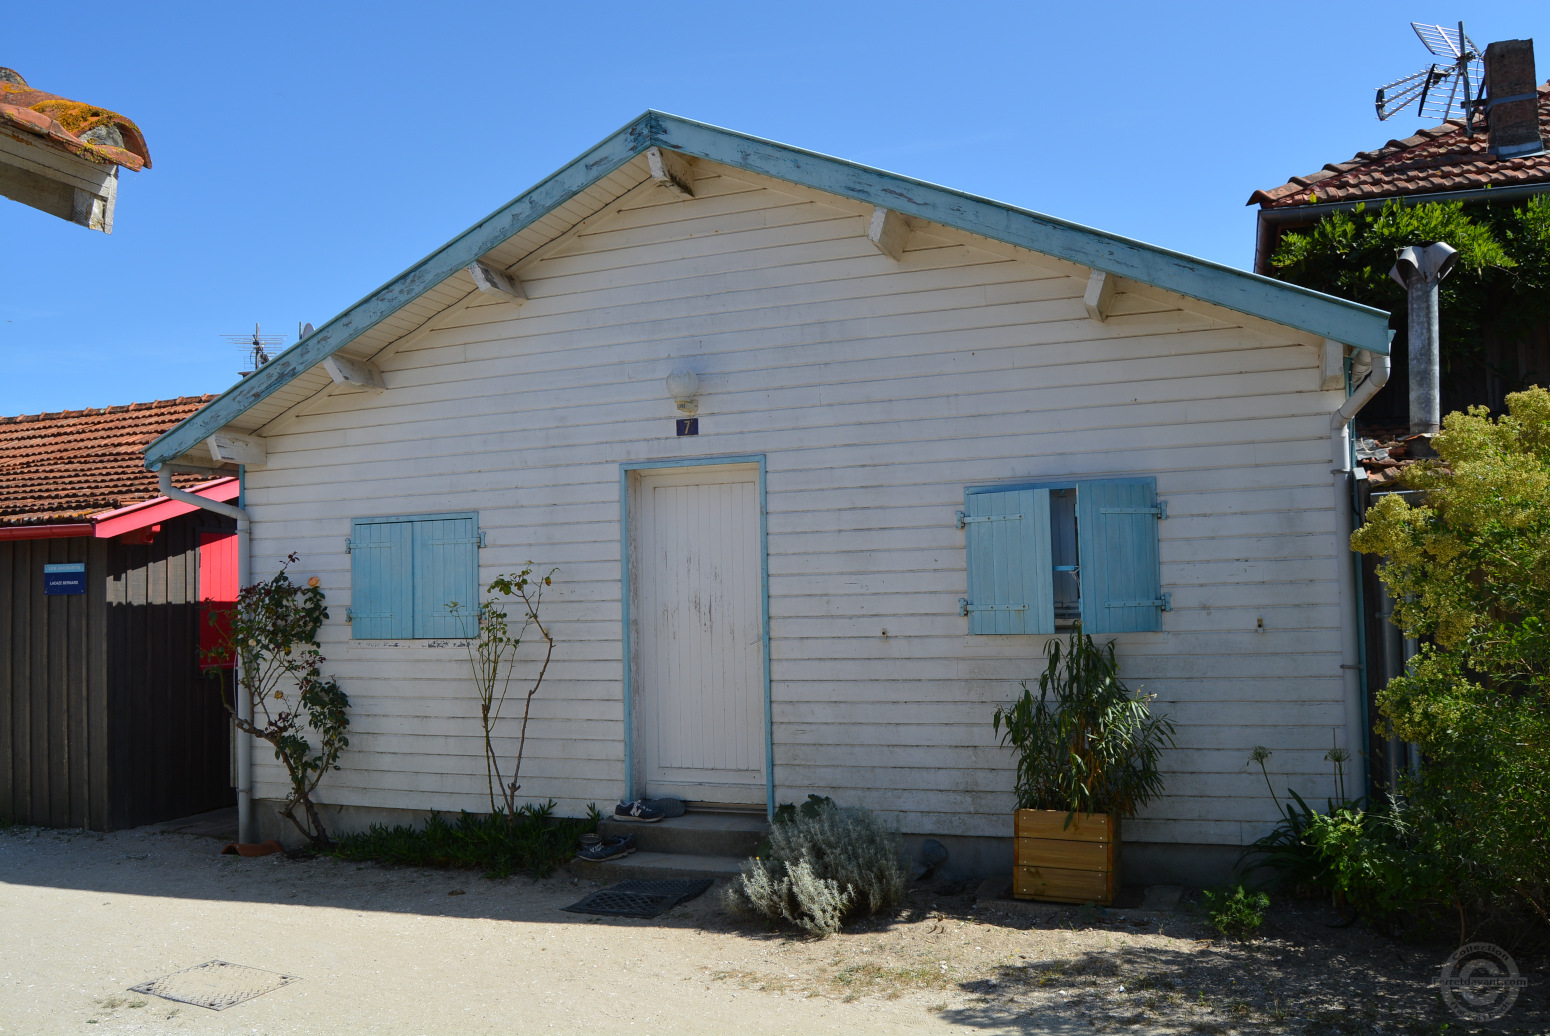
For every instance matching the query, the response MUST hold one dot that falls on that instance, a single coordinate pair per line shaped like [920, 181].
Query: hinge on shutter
[481, 537]
[1165, 603]
[964, 607]
[349, 544]
[1160, 510]
[349, 614]
[964, 519]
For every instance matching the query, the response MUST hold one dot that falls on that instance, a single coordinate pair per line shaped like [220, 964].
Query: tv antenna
[255, 348]
[1447, 89]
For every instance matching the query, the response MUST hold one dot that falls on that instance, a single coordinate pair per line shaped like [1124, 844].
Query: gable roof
[1440, 159]
[81, 129]
[1234, 289]
[69, 465]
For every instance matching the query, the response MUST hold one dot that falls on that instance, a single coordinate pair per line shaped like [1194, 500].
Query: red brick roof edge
[74, 126]
[1435, 160]
[71, 464]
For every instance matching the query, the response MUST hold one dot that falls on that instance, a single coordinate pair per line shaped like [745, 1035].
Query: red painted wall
[217, 595]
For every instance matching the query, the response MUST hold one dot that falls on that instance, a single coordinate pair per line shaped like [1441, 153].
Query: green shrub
[1467, 570]
[1085, 744]
[1236, 911]
[824, 866]
[535, 841]
[1369, 860]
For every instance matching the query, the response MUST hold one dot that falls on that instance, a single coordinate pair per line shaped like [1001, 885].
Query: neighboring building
[106, 719]
[765, 586]
[1443, 163]
[63, 156]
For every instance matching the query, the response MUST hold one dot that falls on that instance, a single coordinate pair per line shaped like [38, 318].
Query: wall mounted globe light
[684, 387]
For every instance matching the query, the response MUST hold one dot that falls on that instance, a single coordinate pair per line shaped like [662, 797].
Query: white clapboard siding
[876, 390]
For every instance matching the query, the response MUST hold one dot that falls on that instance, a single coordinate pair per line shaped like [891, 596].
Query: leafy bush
[535, 841]
[1368, 860]
[825, 865]
[1468, 573]
[1236, 911]
[1501, 285]
[1085, 744]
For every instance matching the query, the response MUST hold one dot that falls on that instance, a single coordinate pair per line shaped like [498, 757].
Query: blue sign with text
[65, 579]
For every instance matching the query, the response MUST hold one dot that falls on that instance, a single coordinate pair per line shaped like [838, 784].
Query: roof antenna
[1448, 89]
[255, 348]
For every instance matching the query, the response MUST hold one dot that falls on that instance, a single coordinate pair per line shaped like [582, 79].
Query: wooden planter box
[1060, 864]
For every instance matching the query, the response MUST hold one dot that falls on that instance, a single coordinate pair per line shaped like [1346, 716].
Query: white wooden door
[700, 641]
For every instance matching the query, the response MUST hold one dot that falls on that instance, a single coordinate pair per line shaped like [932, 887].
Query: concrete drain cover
[214, 984]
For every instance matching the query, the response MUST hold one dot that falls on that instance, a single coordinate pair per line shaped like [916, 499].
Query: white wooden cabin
[787, 601]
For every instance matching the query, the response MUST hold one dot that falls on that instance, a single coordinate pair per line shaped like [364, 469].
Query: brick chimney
[1512, 99]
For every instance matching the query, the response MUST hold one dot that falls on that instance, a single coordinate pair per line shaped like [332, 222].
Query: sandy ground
[84, 916]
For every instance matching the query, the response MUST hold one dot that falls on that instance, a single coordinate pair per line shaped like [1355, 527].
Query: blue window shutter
[1116, 528]
[446, 568]
[381, 581]
[1010, 567]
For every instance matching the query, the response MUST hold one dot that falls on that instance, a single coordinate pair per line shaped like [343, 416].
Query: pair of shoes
[637, 811]
[608, 849]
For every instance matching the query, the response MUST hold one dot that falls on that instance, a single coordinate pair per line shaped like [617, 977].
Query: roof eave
[1239, 290]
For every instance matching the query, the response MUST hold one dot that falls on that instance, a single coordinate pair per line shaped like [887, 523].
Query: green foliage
[825, 865]
[1085, 744]
[1470, 572]
[533, 841]
[492, 654]
[1235, 911]
[787, 812]
[272, 631]
[1368, 860]
[1499, 285]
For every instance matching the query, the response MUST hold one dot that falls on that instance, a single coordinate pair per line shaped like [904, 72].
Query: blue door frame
[632, 783]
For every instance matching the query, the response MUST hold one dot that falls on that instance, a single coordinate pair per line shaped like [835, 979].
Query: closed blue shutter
[446, 569]
[1116, 525]
[381, 581]
[1010, 568]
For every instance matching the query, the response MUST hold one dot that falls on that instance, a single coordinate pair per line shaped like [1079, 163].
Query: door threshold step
[648, 866]
[709, 834]
[751, 809]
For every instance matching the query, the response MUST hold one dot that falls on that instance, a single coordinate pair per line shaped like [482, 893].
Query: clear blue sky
[306, 153]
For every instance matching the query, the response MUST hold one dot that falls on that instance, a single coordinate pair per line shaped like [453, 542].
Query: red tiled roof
[1443, 158]
[65, 466]
[81, 129]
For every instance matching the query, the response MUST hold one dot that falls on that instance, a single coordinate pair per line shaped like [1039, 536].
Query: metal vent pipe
[1419, 269]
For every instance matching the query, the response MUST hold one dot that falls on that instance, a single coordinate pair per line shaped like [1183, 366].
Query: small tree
[272, 632]
[1470, 573]
[492, 654]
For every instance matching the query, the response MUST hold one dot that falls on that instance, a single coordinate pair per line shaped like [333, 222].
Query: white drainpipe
[247, 828]
[1377, 370]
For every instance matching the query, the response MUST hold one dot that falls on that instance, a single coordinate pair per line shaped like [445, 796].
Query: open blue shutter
[381, 581]
[1116, 528]
[1011, 574]
[446, 568]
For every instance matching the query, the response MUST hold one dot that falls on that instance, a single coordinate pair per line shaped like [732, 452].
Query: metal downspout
[1345, 558]
[247, 828]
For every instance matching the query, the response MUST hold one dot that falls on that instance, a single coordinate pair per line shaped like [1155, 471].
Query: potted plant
[1087, 753]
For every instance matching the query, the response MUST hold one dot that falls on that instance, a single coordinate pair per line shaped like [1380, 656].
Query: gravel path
[83, 917]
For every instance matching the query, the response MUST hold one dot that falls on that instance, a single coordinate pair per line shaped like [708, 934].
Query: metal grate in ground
[640, 898]
[214, 984]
